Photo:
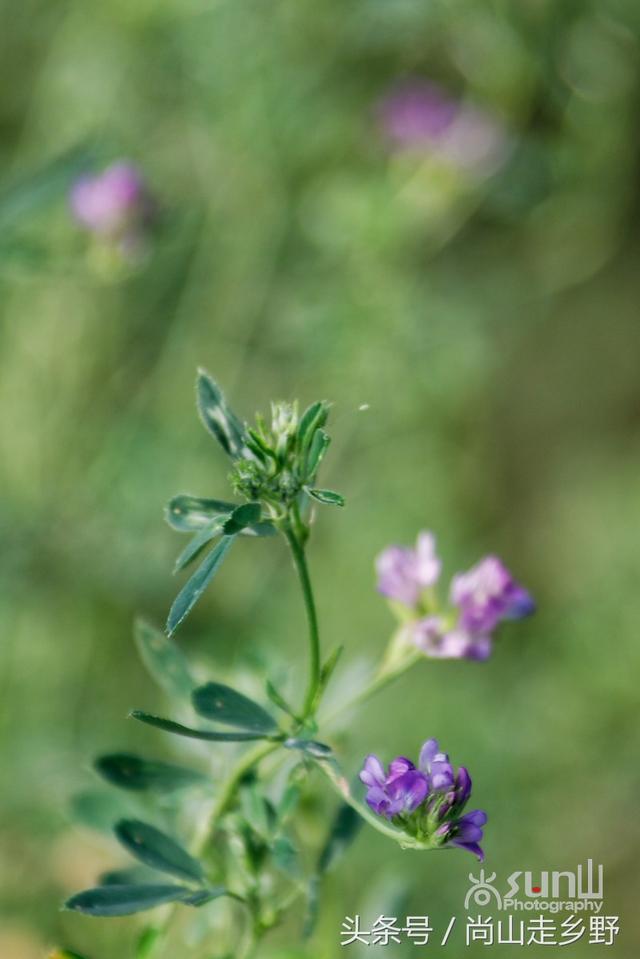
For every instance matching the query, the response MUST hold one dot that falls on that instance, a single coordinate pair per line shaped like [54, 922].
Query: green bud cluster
[282, 459]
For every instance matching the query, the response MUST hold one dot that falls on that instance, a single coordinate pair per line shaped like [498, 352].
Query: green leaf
[242, 517]
[224, 705]
[345, 828]
[125, 900]
[189, 513]
[329, 667]
[278, 700]
[255, 810]
[202, 896]
[326, 496]
[178, 729]
[319, 446]
[198, 543]
[131, 772]
[155, 849]
[286, 856]
[164, 660]
[219, 420]
[196, 584]
[312, 418]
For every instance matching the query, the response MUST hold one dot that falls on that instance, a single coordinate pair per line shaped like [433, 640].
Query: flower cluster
[114, 205]
[478, 600]
[426, 801]
[419, 115]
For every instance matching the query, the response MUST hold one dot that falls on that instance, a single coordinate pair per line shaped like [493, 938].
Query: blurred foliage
[491, 326]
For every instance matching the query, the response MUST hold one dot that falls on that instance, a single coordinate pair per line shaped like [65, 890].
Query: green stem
[341, 786]
[237, 774]
[300, 563]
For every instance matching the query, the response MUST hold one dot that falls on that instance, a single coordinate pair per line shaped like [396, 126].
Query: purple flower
[114, 204]
[425, 802]
[487, 594]
[401, 790]
[404, 573]
[420, 115]
[434, 639]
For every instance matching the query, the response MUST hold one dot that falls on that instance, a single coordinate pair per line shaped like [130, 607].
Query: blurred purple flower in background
[114, 204]
[488, 593]
[419, 115]
[403, 573]
[435, 640]
[425, 801]
[480, 599]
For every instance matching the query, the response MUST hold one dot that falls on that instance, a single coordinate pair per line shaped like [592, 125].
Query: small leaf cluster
[255, 836]
[274, 468]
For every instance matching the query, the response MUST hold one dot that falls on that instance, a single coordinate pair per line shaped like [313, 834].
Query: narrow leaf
[189, 513]
[131, 772]
[196, 585]
[312, 418]
[193, 549]
[285, 856]
[125, 900]
[326, 496]
[344, 830]
[279, 700]
[64, 954]
[319, 446]
[225, 705]
[309, 746]
[242, 517]
[179, 730]
[219, 420]
[163, 659]
[202, 896]
[329, 667]
[155, 849]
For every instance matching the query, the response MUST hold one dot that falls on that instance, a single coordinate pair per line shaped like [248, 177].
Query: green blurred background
[489, 321]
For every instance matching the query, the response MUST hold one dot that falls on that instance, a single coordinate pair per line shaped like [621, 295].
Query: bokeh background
[488, 315]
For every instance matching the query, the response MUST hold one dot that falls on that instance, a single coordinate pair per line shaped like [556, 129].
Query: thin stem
[341, 786]
[237, 774]
[300, 562]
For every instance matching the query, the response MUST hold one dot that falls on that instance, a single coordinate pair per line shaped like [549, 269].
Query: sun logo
[482, 891]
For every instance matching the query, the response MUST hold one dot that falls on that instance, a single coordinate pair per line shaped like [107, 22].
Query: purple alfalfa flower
[404, 573]
[426, 802]
[487, 594]
[419, 115]
[397, 792]
[114, 204]
[432, 637]
[465, 832]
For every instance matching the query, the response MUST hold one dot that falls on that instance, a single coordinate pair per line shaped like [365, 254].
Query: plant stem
[300, 563]
[237, 774]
